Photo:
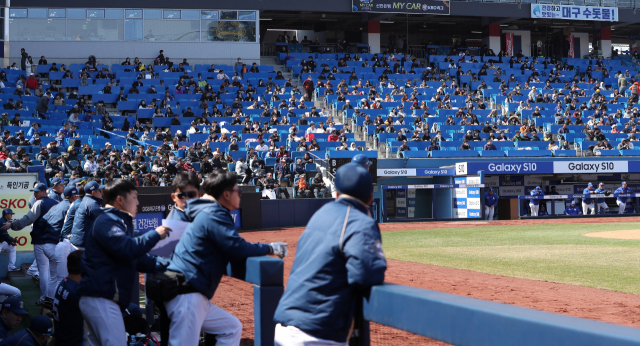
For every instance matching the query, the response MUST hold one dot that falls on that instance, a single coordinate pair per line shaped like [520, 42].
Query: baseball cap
[56, 181]
[538, 188]
[39, 187]
[14, 305]
[354, 180]
[590, 185]
[601, 184]
[41, 324]
[623, 183]
[490, 189]
[361, 159]
[92, 186]
[7, 211]
[70, 191]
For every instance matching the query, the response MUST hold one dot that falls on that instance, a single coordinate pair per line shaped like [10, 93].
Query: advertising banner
[571, 53]
[390, 6]
[15, 194]
[144, 222]
[508, 43]
[609, 14]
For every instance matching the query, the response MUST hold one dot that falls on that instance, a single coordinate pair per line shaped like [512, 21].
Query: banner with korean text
[609, 14]
[14, 195]
[390, 6]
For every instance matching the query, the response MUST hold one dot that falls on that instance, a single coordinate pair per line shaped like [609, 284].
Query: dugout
[511, 178]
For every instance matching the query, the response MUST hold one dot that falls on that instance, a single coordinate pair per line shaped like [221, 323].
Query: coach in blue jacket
[490, 203]
[57, 188]
[337, 258]
[622, 201]
[63, 249]
[86, 214]
[202, 255]
[186, 187]
[110, 264]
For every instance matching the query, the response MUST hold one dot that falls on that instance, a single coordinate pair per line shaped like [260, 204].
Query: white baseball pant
[47, 269]
[62, 252]
[622, 206]
[588, 207]
[292, 336]
[9, 291]
[601, 205]
[534, 209]
[33, 269]
[488, 212]
[12, 255]
[190, 313]
[103, 322]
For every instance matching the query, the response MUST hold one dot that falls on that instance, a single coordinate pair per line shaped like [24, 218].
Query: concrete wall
[584, 43]
[525, 37]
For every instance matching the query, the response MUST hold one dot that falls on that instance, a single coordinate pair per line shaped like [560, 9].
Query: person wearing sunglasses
[185, 186]
[200, 259]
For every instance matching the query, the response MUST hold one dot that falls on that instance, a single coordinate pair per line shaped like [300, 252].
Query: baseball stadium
[345, 172]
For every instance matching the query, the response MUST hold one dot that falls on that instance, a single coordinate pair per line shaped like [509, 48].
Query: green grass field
[557, 253]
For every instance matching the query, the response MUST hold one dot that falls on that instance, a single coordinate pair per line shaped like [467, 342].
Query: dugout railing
[466, 321]
[522, 212]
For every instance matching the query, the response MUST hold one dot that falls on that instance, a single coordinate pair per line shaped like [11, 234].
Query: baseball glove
[607, 193]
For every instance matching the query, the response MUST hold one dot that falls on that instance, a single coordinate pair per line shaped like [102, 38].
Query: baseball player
[86, 214]
[572, 209]
[54, 223]
[200, 259]
[37, 334]
[64, 246]
[534, 204]
[35, 216]
[111, 262]
[11, 314]
[68, 322]
[8, 244]
[362, 159]
[490, 202]
[600, 203]
[622, 201]
[57, 188]
[587, 201]
[543, 210]
[337, 258]
[185, 186]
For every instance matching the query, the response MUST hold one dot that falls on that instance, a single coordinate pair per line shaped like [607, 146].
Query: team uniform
[572, 210]
[336, 257]
[6, 246]
[587, 201]
[490, 202]
[622, 201]
[70, 331]
[600, 203]
[63, 249]
[86, 214]
[202, 255]
[178, 214]
[534, 204]
[54, 195]
[43, 253]
[109, 267]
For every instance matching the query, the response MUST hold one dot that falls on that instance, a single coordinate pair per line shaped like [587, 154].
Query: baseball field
[548, 265]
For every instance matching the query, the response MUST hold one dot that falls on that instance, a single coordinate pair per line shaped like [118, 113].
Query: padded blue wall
[289, 212]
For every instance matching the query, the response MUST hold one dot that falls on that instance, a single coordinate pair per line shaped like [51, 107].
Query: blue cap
[361, 159]
[490, 189]
[624, 183]
[41, 324]
[7, 211]
[14, 305]
[56, 181]
[39, 187]
[354, 180]
[70, 191]
[601, 184]
[590, 185]
[538, 188]
[92, 186]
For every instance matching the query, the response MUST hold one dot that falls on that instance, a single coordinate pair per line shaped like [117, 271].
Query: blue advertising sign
[609, 14]
[144, 222]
